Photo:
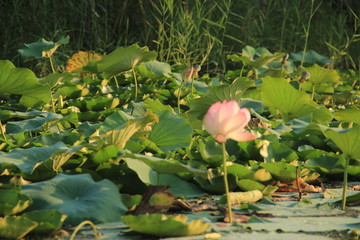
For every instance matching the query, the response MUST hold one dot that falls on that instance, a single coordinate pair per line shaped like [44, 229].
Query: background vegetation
[186, 32]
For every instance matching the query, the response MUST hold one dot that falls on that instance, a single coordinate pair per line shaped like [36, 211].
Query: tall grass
[184, 32]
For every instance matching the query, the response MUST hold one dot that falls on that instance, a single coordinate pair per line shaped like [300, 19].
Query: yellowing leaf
[81, 59]
[165, 226]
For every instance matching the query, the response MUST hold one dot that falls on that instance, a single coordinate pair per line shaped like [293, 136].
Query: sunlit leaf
[13, 202]
[348, 115]
[279, 94]
[347, 140]
[124, 59]
[16, 227]
[119, 137]
[22, 81]
[166, 226]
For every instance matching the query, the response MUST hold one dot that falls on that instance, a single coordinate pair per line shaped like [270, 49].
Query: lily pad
[23, 82]
[79, 197]
[165, 226]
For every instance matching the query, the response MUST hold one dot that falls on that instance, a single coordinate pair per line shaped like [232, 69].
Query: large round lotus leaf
[124, 59]
[79, 197]
[48, 220]
[165, 226]
[15, 227]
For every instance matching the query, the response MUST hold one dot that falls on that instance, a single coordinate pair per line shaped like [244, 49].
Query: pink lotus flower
[227, 120]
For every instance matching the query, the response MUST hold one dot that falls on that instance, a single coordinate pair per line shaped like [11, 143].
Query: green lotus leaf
[22, 81]
[165, 226]
[16, 227]
[284, 172]
[138, 127]
[347, 140]
[156, 106]
[35, 124]
[215, 184]
[171, 132]
[277, 151]
[250, 185]
[199, 106]
[311, 57]
[27, 160]
[105, 154]
[348, 115]
[161, 165]
[48, 220]
[211, 152]
[13, 202]
[327, 164]
[41, 48]
[79, 197]
[159, 68]
[124, 59]
[320, 75]
[279, 94]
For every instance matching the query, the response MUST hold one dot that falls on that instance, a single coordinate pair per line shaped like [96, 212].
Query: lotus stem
[313, 92]
[345, 182]
[73, 235]
[226, 184]
[136, 83]
[52, 64]
[298, 183]
[179, 96]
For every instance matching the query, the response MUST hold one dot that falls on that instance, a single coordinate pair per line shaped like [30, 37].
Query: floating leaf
[279, 94]
[79, 197]
[16, 227]
[171, 132]
[22, 81]
[166, 226]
